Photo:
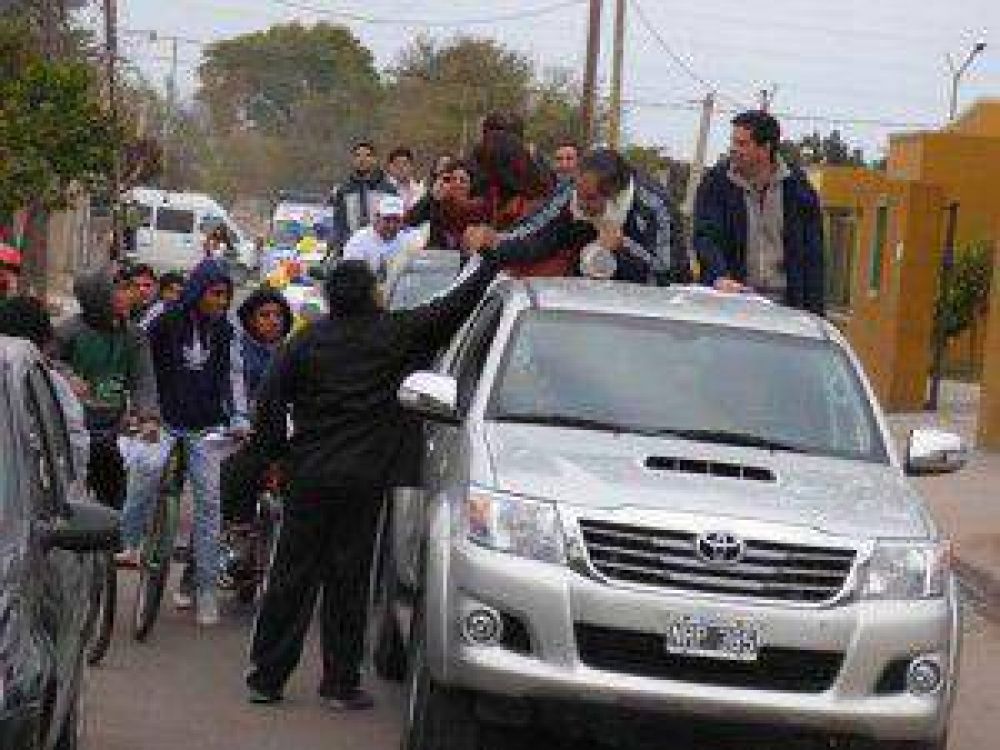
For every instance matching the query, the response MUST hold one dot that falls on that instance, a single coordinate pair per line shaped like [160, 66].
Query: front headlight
[907, 570]
[517, 525]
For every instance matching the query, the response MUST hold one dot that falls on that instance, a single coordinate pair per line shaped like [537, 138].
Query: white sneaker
[208, 609]
[183, 600]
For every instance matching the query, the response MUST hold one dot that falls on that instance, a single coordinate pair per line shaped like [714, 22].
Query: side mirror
[934, 452]
[431, 395]
[89, 527]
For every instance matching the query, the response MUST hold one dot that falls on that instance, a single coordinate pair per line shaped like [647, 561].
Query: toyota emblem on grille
[720, 548]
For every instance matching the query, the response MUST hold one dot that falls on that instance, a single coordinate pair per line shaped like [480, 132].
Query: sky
[867, 68]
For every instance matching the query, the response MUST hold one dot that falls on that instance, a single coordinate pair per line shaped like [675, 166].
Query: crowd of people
[167, 356]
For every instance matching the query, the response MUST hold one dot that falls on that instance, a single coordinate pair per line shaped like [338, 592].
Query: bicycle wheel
[107, 601]
[157, 548]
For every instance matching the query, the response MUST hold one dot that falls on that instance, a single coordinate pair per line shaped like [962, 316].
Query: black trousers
[239, 483]
[106, 471]
[325, 546]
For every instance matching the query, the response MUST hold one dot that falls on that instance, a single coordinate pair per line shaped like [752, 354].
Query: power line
[682, 63]
[693, 105]
[427, 22]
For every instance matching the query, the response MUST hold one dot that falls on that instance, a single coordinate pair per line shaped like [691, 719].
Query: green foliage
[262, 79]
[54, 135]
[814, 149]
[968, 292]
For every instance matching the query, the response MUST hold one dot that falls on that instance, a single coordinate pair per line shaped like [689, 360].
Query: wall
[890, 323]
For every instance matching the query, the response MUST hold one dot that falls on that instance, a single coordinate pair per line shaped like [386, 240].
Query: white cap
[390, 205]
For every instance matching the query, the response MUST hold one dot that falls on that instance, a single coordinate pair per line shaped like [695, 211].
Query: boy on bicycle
[112, 365]
[199, 376]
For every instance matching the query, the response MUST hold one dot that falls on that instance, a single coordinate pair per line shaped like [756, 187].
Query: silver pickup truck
[666, 502]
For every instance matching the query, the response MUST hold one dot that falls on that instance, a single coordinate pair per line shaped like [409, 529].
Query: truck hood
[604, 471]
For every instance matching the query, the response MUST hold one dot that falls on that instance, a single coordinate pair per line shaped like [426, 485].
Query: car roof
[695, 304]
[432, 261]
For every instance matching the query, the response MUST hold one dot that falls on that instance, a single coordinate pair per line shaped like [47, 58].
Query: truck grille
[668, 559]
[644, 655]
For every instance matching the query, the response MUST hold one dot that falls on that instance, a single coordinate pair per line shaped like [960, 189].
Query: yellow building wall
[890, 327]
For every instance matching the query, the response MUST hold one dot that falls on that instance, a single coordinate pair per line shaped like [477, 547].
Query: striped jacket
[654, 248]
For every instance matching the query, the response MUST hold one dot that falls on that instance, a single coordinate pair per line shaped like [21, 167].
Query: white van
[173, 227]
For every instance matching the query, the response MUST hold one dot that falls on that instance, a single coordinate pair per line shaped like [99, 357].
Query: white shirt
[367, 245]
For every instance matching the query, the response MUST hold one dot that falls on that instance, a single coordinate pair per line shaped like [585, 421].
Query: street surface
[184, 689]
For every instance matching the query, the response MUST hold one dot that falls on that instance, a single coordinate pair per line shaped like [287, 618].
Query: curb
[982, 587]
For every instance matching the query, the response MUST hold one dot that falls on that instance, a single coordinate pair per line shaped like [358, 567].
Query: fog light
[482, 627]
[923, 676]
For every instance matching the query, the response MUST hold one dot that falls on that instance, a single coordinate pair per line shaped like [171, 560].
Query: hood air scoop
[710, 468]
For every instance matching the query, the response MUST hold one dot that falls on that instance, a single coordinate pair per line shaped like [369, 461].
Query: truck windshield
[686, 380]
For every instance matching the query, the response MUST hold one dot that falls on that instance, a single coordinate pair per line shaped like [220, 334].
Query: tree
[814, 149]
[968, 292]
[54, 135]
[259, 80]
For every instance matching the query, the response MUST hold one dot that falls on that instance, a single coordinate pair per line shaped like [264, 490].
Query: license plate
[712, 639]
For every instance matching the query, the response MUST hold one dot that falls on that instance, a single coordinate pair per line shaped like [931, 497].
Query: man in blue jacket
[758, 225]
[200, 381]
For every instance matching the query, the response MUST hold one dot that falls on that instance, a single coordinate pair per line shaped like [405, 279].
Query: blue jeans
[145, 465]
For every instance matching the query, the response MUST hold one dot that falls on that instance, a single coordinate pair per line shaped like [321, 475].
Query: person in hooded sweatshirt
[265, 321]
[112, 367]
[338, 379]
[355, 201]
[196, 357]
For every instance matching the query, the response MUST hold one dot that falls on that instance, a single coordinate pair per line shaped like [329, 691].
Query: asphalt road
[184, 689]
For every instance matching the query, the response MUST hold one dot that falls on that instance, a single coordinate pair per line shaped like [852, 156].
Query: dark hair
[139, 269]
[25, 317]
[764, 128]
[504, 122]
[257, 299]
[350, 288]
[172, 278]
[364, 144]
[401, 151]
[613, 172]
[504, 164]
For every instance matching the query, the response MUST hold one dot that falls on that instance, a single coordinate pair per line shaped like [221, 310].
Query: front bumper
[556, 605]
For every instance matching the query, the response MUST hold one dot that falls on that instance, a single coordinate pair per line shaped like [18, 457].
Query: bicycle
[104, 593]
[247, 546]
[157, 548]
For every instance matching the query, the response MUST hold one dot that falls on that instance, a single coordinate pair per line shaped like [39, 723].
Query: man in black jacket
[758, 225]
[339, 378]
[354, 202]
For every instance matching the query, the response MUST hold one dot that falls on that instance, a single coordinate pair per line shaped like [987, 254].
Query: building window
[879, 237]
[841, 232]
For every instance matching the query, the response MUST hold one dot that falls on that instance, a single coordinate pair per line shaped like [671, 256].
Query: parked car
[420, 276]
[670, 502]
[48, 534]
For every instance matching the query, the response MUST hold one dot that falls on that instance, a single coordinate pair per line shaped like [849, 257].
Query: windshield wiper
[726, 437]
[563, 420]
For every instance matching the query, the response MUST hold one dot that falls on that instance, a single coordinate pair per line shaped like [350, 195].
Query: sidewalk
[966, 504]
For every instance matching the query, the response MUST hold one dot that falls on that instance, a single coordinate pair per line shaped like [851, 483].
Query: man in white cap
[379, 243]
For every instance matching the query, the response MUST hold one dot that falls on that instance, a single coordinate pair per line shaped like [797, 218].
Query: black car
[49, 532]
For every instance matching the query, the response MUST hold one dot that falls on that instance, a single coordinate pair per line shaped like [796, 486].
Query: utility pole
[956, 76]
[590, 72]
[701, 147]
[615, 134]
[767, 97]
[111, 52]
